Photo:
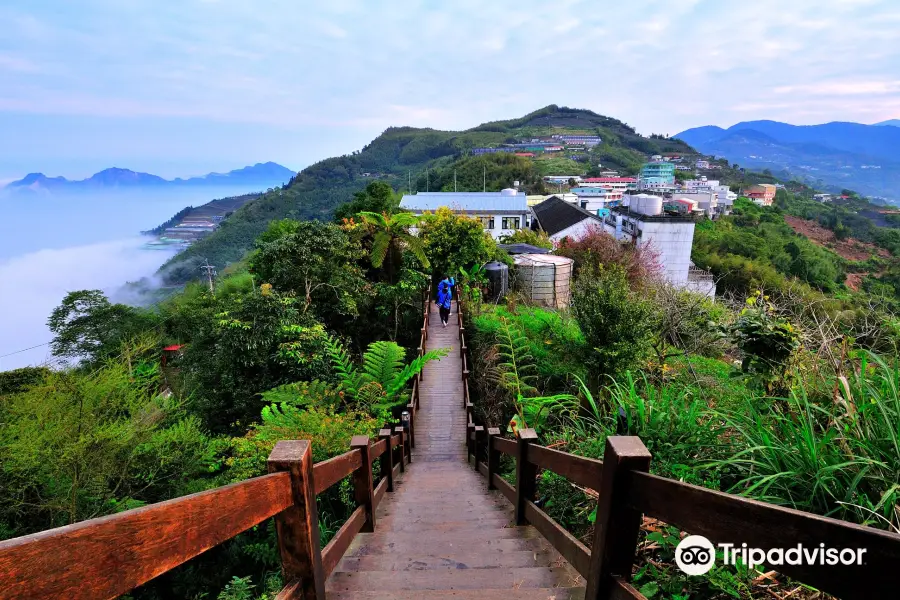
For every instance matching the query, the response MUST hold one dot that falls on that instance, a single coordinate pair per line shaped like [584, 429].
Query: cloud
[41, 280]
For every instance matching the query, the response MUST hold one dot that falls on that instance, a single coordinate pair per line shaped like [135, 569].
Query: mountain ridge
[838, 155]
[267, 174]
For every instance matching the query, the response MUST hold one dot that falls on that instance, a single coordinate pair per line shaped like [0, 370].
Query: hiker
[450, 283]
[444, 301]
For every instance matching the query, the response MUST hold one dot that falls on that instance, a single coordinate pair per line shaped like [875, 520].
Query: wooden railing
[110, 556]
[627, 492]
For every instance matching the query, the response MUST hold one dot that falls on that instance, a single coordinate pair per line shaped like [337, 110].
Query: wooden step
[556, 593]
[505, 540]
[454, 579]
[462, 559]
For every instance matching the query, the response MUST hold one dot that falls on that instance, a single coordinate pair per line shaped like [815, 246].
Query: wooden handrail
[109, 556]
[329, 472]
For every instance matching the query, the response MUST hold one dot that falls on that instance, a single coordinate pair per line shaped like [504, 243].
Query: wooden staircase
[442, 533]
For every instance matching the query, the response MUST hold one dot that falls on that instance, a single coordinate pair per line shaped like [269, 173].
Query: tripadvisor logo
[696, 555]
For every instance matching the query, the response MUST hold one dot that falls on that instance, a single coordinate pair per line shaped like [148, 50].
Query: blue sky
[182, 87]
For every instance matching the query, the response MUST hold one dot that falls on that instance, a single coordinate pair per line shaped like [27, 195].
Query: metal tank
[545, 278]
[498, 280]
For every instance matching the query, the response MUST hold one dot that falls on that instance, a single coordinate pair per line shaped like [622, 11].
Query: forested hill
[427, 158]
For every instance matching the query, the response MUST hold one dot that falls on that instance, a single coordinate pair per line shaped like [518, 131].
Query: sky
[184, 87]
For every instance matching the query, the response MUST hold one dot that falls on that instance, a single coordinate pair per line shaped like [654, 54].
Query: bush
[617, 323]
[596, 249]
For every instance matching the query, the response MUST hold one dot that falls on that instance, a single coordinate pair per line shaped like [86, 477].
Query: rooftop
[555, 215]
[470, 202]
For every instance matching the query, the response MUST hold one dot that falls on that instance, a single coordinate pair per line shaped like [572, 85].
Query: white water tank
[545, 278]
[646, 204]
[509, 192]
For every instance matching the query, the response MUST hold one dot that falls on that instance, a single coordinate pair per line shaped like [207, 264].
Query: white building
[726, 199]
[702, 164]
[822, 197]
[561, 219]
[501, 213]
[670, 236]
[562, 179]
[620, 184]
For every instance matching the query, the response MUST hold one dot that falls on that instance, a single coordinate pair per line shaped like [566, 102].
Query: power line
[24, 350]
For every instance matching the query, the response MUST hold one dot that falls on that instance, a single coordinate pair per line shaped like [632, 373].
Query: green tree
[528, 236]
[86, 325]
[378, 197]
[390, 237]
[617, 323]
[317, 262]
[452, 241]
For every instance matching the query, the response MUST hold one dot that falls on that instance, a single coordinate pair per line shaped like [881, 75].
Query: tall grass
[838, 457]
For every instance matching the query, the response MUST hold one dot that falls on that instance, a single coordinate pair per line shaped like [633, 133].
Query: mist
[52, 245]
[35, 284]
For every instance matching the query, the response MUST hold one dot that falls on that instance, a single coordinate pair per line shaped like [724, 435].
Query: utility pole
[409, 182]
[426, 180]
[484, 178]
[454, 180]
[210, 273]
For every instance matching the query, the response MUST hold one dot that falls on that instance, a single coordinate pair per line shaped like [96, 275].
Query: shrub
[617, 323]
[596, 248]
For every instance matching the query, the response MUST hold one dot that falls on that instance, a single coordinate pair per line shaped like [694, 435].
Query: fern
[383, 376]
[382, 361]
[303, 393]
[346, 371]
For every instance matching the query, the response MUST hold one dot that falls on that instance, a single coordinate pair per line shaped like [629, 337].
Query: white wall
[670, 240]
[577, 230]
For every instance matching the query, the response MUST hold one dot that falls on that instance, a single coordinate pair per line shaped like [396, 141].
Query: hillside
[424, 158]
[832, 155]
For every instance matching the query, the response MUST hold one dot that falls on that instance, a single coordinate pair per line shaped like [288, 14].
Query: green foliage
[391, 236]
[378, 197]
[839, 458]
[86, 325]
[79, 445]
[617, 323]
[528, 236]
[378, 384]
[316, 262]
[767, 342]
[19, 380]
[452, 241]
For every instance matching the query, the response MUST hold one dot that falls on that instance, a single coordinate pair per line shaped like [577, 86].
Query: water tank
[646, 204]
[498, 280]
[509, 192]
[545, 278]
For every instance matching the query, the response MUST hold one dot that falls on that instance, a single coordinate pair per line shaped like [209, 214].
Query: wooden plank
[526, 474]
[378, 448]
[505, 446]
[380, 490]
[565, 543]
[363, 486]
[109, 556]
[459, 579]
[583, 471]
[622, 590]
[297, 526]
[505, 488]
[617, 525]
[555, 593]
[334, 551]
[726, 518]
[329, 472]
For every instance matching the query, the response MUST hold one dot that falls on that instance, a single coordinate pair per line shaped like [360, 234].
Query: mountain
[837, 155]
[422, 158]
[894, 122]
[259, 176]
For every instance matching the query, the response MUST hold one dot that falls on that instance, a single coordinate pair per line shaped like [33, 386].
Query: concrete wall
[577, 230]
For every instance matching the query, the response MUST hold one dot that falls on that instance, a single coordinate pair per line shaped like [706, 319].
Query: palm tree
[391, 235]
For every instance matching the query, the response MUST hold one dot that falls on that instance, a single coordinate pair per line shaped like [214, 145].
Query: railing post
[526, 474]
[402, 447]
[363, 490]
[298, 526]
[470, 431]
[387, 459]
[493, 456]
[479, 436]
[411, 409]
[616, 527]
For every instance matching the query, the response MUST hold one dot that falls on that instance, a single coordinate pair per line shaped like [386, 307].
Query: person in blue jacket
[445, 299]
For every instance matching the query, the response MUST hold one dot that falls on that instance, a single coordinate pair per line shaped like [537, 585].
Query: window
[510, 222]
[487, 222]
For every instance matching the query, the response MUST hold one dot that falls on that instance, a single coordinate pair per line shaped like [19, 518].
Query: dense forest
[784, 388]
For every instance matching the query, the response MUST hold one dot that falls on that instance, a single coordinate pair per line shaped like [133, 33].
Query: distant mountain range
[865, 158]
[894, 122]
[260, 176]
